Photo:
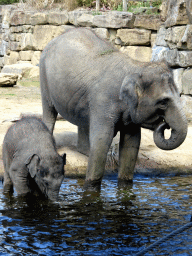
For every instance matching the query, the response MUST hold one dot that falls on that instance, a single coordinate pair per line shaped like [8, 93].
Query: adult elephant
[102, 91]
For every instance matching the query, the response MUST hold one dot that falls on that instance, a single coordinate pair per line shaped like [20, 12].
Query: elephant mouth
[152, 124]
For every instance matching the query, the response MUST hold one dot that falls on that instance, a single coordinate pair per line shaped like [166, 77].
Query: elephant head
[48, 174]
[154, 103]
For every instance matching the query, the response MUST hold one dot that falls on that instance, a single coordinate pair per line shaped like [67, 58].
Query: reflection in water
[112, 222]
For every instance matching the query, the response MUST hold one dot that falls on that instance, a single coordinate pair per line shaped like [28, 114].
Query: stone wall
[142, 37]
[25, 33]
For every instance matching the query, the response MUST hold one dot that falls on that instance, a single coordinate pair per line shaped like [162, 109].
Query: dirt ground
[25, 98]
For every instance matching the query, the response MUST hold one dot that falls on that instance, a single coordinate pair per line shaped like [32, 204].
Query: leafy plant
[8, 1]
[157, 3]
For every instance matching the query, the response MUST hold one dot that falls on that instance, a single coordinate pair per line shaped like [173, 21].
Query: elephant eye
[162, 104]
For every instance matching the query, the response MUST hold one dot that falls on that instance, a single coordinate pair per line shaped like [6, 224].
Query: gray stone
[27, 41]
[20, 18]
[153, 39]
[7, 80]
[176, 13]
[33, 72]
[184, 58]
[159, 53]
[174, 36]
[25, 55]
[151, 22]
[6, 19]
[102, 32]
[35, 58]
[12, 58]
[112, 34]
[134, 36]
[118, 41]
[14, 46]
[39, 19]
[4, 46]
[114, 19]
[49, 32]
[187, 106]
[160, 40]
[139, 53]
[189, 10]
[186, 40]
[178, 75]
[187, 81]
[171, 57]
[16, 29]
[55, 18]
[85, 20]
[74, 15]
[20, 68]
[15, 37]
[2, 61]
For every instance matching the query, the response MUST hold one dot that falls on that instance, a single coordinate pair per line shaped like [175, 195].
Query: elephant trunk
[175, 120]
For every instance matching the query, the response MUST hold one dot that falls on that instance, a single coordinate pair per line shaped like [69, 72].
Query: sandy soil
[25, 98]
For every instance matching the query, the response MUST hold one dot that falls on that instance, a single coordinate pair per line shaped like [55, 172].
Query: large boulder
[20, 68]
[8, 80]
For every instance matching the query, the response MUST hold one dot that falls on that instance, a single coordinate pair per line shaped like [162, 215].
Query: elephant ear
[32, 164]
[131, 89]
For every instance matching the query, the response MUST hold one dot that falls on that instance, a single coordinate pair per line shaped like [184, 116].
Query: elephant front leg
[100, 141]
[128, 152]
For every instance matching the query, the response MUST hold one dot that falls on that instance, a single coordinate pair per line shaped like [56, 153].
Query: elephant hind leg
[49, 114]
[8, 184]
[83, 140]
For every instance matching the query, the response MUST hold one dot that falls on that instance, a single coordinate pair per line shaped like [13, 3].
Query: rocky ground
[25, 98]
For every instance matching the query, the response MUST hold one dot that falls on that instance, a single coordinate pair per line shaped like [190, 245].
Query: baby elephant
[31, 162]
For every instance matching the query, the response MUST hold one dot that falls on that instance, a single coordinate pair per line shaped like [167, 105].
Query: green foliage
[120, 8]
[8, 1]
[157, 3]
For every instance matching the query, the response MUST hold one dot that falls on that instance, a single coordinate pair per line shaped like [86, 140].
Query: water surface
[112, 222]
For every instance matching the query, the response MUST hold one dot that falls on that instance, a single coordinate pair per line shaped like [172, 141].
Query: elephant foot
[125, 184]
[8, 189]
[92, 185]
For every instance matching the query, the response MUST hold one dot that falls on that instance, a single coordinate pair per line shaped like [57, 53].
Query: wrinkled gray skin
[102, 91]
[31, 162]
